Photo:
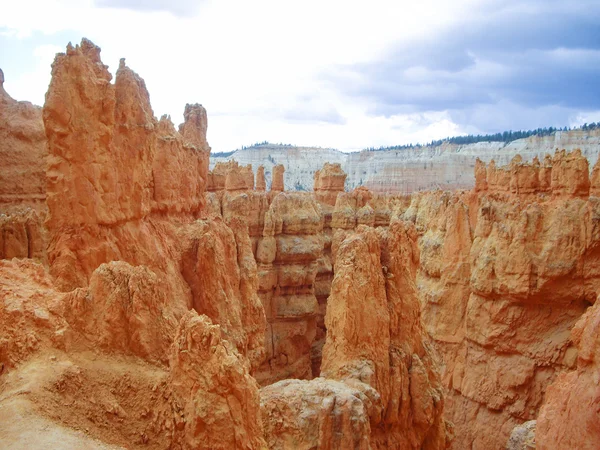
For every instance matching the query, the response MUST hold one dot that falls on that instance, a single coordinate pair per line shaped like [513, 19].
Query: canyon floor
[149, 302]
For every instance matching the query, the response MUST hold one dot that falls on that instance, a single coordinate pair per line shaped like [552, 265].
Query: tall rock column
[277, 182]
[328, 183]
[287, 256]
[261, 184]
[385, 348]
[111, 165]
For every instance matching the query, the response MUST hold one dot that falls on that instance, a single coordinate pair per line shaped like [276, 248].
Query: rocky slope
[507, 269]
[448, 166]
[22, 153]
[161, 292]
[146, 301]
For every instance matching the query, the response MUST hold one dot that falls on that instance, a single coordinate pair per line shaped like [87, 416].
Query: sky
[342, 74]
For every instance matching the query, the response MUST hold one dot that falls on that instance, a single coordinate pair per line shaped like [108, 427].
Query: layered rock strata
[387, 392]
[22, 154]
[506, 270]
[408, 170]
[569, 416]
[164, 304]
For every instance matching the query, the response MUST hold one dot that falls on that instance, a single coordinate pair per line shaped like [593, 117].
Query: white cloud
[254, 65]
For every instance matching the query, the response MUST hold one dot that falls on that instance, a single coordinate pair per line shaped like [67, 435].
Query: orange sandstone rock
[111, 164]
[328, 182]
[124, 310]
[503, 277]
[385, 349]
[277, 181]
[287, 256]
[569, 416]
[570, 174]
[261, 184]
[312, 414]
[219, 267]
[22, 153]
[211, 381]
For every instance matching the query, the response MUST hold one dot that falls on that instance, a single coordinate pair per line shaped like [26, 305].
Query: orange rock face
[111, 165]
[277, 181]
[22, 153]
[124, 192]
[329, 181]
[569, 415]
[505, 273]
[221, 399]
[287, 257]
[112, 361]
[154, 297]
[386, 348]
[261, 184]
[319, 413]
[219, 267]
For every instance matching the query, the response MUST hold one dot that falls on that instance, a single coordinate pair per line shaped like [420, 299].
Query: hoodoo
[149, 302]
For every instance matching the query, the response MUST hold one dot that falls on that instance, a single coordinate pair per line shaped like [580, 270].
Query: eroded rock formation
[22, 153]
[506, 270]
[124, 193]
[569, 415]
[154, 297]
[114, 170]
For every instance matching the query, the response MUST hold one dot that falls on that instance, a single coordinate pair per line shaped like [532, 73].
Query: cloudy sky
[343, 74]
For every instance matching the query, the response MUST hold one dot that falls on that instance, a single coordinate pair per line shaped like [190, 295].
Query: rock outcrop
[219, 267]
[569, 416]
[506, 270]
[408, 170]
[111, 169]
[385, 349]
[151, 299]
[22, 234]
[22, 154]
[287, 256]
[131, 361]
[320, 413]
[123, 373]
[220, 400]
[328, 183]
[261, 184]
[277, 184]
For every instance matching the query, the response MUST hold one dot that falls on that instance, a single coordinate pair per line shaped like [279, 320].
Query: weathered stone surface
[287, 256]
[219, 267]
[328, 182]
[22, 153]
[386, 348]
[221, 404]
[312, 414]
[506, 270]
[569, 416]
[111, 164]
[124, 310]
[277, 184]
[261, 184]
[522, 437]
[22, 234]
[176, 297]
[566, 174]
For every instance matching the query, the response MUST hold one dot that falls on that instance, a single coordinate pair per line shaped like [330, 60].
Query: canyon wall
[153, 303]
[22, 154]
[506, 271]
[148, 308]
[449, 166]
